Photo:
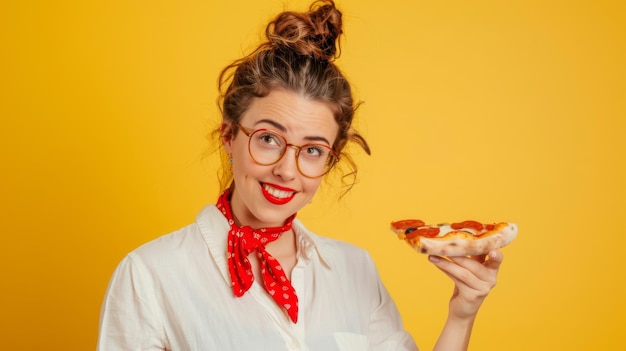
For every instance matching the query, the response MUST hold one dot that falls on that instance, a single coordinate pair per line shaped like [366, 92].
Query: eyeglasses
[267, 147]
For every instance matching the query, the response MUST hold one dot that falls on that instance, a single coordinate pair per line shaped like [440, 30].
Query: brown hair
[298, 56]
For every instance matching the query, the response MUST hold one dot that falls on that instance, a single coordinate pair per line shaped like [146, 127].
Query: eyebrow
[283, 129]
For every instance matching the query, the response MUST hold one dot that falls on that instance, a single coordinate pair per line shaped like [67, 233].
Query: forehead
[298, 115]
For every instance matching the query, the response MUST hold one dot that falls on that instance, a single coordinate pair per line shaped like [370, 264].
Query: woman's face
[265, 196]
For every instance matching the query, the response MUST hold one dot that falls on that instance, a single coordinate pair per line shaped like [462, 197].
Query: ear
[226, 133]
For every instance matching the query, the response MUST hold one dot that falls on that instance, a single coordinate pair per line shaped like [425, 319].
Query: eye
[268, 139]
[315, 151]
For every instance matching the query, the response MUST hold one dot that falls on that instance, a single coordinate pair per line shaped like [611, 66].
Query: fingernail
[433, 259]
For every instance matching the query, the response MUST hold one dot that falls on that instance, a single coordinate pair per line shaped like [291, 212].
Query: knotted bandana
[241, 242]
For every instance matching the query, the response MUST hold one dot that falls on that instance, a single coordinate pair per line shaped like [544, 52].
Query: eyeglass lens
[267, 148]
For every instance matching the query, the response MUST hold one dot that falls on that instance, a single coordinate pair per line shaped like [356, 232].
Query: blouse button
[294, 345]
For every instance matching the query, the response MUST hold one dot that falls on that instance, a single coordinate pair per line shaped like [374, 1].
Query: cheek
[243, 168]
[311, 185]
[239, 154]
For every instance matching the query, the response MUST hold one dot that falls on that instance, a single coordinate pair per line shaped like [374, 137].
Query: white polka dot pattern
[241, 242]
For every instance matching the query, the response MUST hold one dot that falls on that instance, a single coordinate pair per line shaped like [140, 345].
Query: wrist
[455, 334]
[461, 321]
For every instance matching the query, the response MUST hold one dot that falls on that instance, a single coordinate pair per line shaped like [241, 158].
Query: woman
[247, 275]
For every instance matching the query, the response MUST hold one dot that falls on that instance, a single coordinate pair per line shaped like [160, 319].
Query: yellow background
[488, 110]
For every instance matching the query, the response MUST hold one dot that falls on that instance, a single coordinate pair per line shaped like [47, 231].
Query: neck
[243, 217]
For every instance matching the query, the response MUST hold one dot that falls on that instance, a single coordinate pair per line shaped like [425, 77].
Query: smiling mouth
[277, 196]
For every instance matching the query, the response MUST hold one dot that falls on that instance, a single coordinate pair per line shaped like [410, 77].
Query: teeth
[281, 194]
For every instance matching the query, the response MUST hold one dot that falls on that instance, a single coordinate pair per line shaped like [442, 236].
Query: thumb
[495, 259]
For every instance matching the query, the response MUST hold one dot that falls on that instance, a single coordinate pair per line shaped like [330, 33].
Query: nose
[287, 167]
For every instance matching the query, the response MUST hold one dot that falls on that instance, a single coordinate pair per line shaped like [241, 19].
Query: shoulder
[333, 251]
[166, 247]
[183, 243]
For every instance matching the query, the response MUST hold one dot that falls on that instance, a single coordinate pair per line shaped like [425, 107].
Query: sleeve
[129, 319]
[386, 331]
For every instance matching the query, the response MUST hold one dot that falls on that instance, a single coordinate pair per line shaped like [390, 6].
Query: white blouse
[174, 293]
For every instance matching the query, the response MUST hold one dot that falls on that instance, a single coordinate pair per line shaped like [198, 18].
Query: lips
[276, 194]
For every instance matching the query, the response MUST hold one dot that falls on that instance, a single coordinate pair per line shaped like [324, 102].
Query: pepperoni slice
[429, 232]
[407, 223]
[467, 224]
[490, 226]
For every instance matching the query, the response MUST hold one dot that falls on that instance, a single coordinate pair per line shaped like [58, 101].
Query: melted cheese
[446, 228]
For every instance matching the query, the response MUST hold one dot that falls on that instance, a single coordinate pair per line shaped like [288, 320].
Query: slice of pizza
[457, 239]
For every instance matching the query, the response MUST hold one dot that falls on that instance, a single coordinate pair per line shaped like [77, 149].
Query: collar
[308, 244]
[214, 230]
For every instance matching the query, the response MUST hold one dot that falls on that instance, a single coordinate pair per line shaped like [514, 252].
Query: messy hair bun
[312, 33]
[297, 56]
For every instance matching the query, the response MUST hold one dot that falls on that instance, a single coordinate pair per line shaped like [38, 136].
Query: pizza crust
[461, 242]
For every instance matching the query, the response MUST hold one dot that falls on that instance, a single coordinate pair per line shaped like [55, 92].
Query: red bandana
[241, 242]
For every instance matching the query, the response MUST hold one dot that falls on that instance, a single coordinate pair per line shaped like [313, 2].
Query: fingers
[473, 278]
[471, 271]
[490, 261]
[495, 260]
[480, 258]
[462, 270]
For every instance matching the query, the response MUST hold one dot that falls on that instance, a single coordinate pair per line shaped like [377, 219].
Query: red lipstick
[279, 195]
